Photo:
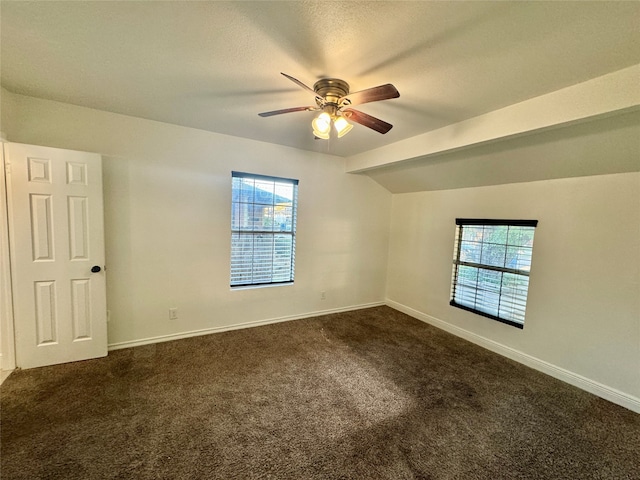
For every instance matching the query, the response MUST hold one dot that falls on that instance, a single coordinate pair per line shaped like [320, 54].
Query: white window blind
[263, 228]
[491, 264]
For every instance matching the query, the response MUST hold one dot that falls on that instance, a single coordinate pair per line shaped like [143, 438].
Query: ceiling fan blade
[299, 83]
[367, 120]
[287, 110]
[375, 94]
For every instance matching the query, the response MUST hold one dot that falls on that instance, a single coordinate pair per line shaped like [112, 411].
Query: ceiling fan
[334, 101]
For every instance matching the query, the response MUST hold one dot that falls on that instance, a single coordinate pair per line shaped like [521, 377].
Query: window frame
[457, 262]
[258, 232]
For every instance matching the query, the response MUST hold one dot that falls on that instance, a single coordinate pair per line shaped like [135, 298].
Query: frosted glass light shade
[322, 125]
[342, 126]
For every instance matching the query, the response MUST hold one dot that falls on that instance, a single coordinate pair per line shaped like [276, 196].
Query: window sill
[263, 285]
[488, 315]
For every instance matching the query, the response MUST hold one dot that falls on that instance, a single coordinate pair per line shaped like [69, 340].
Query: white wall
[583, 311]
[167, 204]
[167, 192]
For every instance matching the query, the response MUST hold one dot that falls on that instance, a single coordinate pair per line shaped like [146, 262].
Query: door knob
[95, 269]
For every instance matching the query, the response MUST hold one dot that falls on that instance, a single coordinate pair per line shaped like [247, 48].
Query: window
[263, 229]
[491, 264]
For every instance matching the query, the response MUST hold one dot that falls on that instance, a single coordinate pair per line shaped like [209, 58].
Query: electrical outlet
[323, 295]
[173, 313]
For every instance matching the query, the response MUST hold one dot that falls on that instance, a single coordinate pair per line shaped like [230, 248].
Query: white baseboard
[591, 386]
[3, 373]
[226, 328]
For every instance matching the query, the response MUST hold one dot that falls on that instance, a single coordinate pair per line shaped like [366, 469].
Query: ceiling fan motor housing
[331, 89]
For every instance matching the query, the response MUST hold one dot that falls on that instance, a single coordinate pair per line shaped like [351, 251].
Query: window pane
[263, 228]
[283, 218]
[518, 258]
[235, 216]
[495, 234]
[241, 254]
[264, 217]
[262, 258]
[468, 276]
[255, 220]
[264, 192]
[466, 296]
[246, 190]
[470, 251]
[282, 258]
[494, 291]
[283, 194]
[472, 233]
[514, 296]
[515, 287]
[520, 236]
[493, 254]
[488, 296]
[489, 280]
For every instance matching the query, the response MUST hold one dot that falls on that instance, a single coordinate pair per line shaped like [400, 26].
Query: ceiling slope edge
[611, 94]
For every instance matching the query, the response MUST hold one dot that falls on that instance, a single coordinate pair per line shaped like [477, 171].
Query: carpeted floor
[370, 394]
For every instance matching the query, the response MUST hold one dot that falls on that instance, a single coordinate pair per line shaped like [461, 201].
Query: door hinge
[7, 167]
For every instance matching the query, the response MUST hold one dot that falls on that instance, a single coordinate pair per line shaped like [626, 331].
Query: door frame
[7, 333]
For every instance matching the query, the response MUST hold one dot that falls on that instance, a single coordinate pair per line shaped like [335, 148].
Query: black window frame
[457, 263]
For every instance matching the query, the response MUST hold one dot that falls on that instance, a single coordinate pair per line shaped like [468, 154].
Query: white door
[57, 254]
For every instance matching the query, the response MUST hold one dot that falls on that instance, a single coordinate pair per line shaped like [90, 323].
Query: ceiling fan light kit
[321, 125]
[334, 101]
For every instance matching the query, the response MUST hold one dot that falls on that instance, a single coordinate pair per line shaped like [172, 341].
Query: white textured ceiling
[216, 65]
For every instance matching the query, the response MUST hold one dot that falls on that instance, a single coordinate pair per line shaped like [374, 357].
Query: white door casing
[57, 236]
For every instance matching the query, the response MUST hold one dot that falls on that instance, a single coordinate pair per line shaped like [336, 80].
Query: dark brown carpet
[370, 394]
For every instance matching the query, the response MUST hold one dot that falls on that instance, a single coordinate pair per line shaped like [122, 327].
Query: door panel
[56, 227]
